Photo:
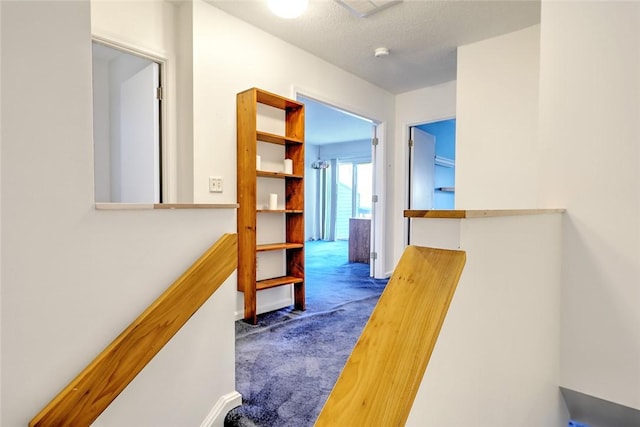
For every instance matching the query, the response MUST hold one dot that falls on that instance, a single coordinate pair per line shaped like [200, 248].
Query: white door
[140, 137]
[422, 154]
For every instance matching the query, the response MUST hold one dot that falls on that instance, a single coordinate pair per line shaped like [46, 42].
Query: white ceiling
[422, 35]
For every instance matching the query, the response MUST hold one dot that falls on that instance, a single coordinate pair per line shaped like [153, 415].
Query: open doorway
[431, 171]
[444, 134]
[339, 189]
[127, 103]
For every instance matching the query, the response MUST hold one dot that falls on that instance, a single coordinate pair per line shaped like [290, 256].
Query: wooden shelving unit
[248, 137]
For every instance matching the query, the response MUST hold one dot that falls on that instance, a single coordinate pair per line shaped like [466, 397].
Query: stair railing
[381, 377]
[90, 393]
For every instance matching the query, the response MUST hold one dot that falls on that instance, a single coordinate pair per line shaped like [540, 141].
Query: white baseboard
[284, 302]
[226, 403]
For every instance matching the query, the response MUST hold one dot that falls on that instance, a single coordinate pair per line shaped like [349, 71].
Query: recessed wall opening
[431, 159]
[127, 132]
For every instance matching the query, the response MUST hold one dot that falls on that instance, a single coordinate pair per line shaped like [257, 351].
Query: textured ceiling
[422, 35]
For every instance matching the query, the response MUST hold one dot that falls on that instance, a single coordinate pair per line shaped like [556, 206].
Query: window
[354, 193]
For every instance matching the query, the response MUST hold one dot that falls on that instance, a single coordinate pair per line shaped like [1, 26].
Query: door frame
[378, 159]
[164, 149]
[406, 128]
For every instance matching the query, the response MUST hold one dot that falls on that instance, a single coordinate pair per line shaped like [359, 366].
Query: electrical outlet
[215, 184]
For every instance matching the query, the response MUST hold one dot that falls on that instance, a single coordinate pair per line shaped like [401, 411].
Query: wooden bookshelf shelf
[281, 211]
[277, 281]
[276, 139]
[269, 174]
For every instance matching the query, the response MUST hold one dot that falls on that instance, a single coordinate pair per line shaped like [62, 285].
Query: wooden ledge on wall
[475, 213]
[150, 206]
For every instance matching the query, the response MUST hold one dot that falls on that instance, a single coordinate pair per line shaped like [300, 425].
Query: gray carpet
[288, 363]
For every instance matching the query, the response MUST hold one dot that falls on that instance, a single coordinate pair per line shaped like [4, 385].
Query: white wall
[184, 97]
[497, 111]
[155, 28]
[101, 130]
[496, 361]
[586, 160]
[589, 163]
[74, 277]
[420, 106]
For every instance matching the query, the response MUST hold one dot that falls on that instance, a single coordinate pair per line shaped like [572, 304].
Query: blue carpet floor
[330, 282]
[286, 365]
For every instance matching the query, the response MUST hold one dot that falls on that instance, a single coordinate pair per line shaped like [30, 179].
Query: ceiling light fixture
[288, 9]
[320, 164]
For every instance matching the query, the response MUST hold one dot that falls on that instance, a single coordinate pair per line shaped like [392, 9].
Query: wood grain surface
[475, 213]
[381, 377]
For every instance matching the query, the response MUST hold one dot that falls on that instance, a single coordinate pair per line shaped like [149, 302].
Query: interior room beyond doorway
[339, 184]
[432, 169]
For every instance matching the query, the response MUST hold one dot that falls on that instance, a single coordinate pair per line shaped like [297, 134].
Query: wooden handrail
[381, 377]
[91, 392]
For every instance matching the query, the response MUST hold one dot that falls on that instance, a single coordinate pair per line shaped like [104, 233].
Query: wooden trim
[270, 174]
[123, 206]
[281, 211]
[150, 206]
[412, 213]
[195, 206]
[381, 378]
[246, 148]
[91, 392]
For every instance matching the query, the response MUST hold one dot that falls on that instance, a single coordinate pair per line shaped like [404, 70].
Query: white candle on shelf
[258, 163]
[273, 201]
[288, 166]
